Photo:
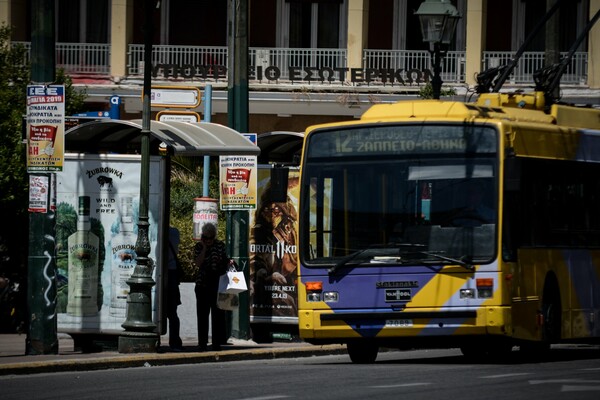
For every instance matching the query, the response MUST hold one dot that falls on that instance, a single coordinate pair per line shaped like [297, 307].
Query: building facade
[310, 61]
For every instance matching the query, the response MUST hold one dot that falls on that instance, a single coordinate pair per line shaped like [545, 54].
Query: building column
[5, 12]
[593, 69]
[358, 27]
[476, 16]
[121, 33]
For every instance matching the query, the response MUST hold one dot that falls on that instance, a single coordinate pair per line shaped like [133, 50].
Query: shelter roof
[181, 138]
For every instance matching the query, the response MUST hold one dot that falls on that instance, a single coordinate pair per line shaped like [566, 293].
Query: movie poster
[273, 252]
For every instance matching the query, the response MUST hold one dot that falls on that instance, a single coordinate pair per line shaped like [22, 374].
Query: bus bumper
[325, 326]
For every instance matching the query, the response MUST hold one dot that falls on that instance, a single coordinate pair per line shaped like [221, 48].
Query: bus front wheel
[363, 352]
[551, 311]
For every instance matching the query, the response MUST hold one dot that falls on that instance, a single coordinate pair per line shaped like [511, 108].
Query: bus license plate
[398, 323]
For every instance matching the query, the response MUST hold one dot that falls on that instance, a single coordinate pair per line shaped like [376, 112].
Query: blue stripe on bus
[589, 145]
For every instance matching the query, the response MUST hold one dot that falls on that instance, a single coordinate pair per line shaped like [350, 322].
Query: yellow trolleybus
[446, 224]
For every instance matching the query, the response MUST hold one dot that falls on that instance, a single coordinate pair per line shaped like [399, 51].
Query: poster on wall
[273, 253]
[96, 231]
[237, 182]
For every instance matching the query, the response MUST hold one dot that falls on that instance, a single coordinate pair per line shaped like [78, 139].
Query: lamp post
[140, 334]
[438, 22]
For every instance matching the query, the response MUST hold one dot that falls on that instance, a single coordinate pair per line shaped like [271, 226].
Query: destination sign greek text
[402, 139]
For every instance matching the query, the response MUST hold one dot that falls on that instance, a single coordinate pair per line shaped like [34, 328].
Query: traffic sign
[175, 96]
[179, 116]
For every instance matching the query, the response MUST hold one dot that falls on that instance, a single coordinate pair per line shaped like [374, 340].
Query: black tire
[551, 312]
[363, 352]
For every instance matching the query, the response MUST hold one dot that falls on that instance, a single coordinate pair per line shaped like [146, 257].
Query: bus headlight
[467, 293]
[330, 297]
[313, 297]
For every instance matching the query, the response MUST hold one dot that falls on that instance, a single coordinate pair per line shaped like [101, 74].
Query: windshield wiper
[354, 256]
[346, 260]
[458, 261]
[462, 261]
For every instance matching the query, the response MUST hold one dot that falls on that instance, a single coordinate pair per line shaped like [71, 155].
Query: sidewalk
[14, 361]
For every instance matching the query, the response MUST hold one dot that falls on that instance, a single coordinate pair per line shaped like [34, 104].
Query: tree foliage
[186, 184]
[14, 78]
[13, 84]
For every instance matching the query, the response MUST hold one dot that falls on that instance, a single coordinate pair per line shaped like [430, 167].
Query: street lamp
[438, 22]
[140, 334]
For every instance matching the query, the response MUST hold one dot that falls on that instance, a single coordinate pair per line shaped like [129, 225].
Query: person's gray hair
[209, 229]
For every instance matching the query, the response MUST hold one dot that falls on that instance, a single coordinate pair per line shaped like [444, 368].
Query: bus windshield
[401, 194]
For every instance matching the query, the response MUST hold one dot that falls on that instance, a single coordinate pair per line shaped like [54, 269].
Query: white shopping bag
[232, 282]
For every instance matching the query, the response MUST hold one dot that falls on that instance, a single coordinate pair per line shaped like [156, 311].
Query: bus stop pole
[207, 116]
[237, 107]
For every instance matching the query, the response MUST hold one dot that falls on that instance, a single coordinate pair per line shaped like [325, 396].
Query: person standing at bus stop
[174, 273]
[212, 261]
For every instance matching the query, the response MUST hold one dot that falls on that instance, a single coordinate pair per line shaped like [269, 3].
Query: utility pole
[42, 337]
[552, 53]
[237, 107]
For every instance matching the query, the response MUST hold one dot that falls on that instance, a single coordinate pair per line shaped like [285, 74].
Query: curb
[155, 360]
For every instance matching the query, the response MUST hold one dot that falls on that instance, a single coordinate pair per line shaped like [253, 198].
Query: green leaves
[14, 181]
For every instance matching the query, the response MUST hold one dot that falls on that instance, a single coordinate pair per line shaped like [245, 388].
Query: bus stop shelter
[102, 164]
[181, 138]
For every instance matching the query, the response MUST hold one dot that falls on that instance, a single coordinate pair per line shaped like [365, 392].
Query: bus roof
[435, 109]
[563, 132]
[516, 107]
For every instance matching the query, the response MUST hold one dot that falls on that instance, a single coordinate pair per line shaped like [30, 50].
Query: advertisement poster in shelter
[273, 252]
[237, 182]
[98, 198]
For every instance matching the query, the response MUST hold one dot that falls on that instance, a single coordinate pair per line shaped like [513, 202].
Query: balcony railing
[575, 74]
[410, 65]
[298, 65]
[79, 58]
[186, 62]
[210, 62]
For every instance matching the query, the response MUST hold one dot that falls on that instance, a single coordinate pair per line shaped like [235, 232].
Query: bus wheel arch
[363, 351]
[551, 310]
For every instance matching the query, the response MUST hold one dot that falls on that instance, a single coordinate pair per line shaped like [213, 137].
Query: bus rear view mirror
[279, 184]
[512, 174]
